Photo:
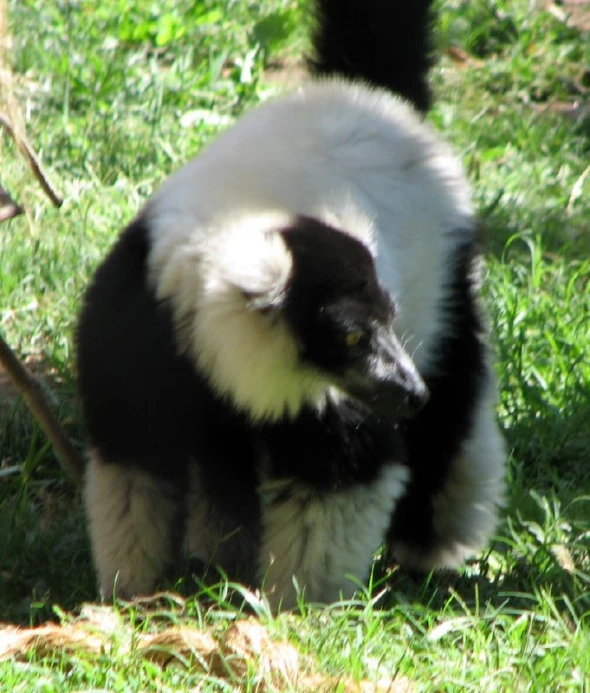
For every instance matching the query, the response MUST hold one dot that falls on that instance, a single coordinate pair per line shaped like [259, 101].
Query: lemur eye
[353, 338]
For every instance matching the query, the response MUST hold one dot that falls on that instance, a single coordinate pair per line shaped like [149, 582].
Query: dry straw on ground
[244, 653]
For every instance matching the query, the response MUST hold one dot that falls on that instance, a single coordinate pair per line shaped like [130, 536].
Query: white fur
[346, 155]
[130, 516]
[319, 540]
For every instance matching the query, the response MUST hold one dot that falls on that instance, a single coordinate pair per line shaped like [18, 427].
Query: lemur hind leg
[454, 446]
[135, 524]
[444, 527]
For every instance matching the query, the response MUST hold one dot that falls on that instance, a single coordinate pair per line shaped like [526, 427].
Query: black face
[343, 319]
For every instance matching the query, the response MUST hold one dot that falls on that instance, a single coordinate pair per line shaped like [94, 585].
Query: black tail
[386, 43]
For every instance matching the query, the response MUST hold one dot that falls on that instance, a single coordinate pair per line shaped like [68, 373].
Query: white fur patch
[130, 519]
[319, 540]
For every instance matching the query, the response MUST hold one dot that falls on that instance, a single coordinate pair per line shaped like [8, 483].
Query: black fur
[136, 390]
[333, 288]
[341, 446]
[379, 42]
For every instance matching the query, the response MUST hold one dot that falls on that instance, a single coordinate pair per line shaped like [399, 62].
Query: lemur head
[343, 320]
[292, 314]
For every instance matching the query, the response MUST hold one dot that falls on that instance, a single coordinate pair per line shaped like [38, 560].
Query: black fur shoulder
[381, 42]
[135, 389]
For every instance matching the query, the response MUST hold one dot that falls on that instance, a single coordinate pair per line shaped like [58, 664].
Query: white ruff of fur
[226, 291]
[130, 514]
[324, 543]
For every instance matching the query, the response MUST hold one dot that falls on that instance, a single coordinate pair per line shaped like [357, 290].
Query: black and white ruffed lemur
[282, 360]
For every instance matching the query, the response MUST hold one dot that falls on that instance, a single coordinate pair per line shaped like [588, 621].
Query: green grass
[117, 95]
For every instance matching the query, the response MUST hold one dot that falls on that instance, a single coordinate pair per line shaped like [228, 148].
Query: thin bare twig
[26, 384]
[37, 402]
[32, 160]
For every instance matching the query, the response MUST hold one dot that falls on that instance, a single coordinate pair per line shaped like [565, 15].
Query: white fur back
[349, 156]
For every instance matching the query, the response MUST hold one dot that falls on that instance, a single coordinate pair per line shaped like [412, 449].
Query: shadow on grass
[524, 587]
[44, 552]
